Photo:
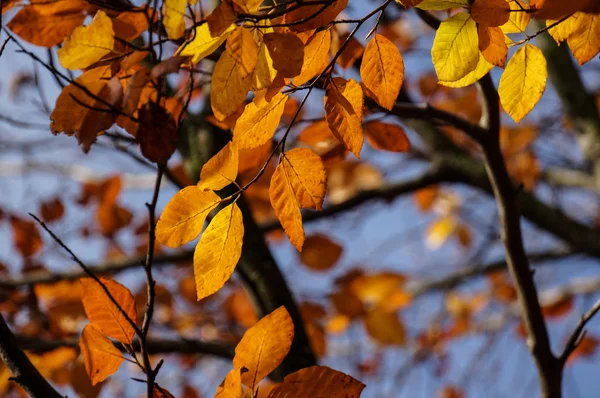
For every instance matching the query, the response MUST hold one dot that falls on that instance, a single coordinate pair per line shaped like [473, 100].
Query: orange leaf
[260, 119]
[183, 218]
[320, 253]
[584, 42]
[310, 17]
[318, 381]
[316, 56]
[26, 237]
[490, 12]
[101, 358]
[425, 198]
[264, 346]
[231, 387]
[104, 314]
[221, 18]
[243, 49]
[492, 44]
[298, 182]
[353, 51]
[343, 111]
[287, 51]
[229, 87]
[385, 327]
[220, 170]
[382, 71]
[558, 308]
[386, 137]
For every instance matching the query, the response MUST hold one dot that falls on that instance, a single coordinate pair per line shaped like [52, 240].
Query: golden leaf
[382, 71]
[183, 217]
[584, 42]
[173, 12]
[287, 52]
[492, 45]
[220, 170]
[229, 88]
[231, 386]
[104, 314]
[298, 182]
[320, 253]
[316, 56]
[243, 49]
[218, 251]
[100, 357]
[260, 119]
[385, 327]
[88, 44]
[455, 50]
[523, 81]
[264, 346]
[203, 43]
[482, 68]
[518, 19]
[343, 111]
[439, 5]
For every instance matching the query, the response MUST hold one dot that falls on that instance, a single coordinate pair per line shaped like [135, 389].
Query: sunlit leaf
[316, 56]
[229, 88]
[101, 358]
[343, 111]
[318, 381]
[260, 120]
[320, 253]
[203, 43]
[243, 48]
[492, 45]
[287, 52]
[386, 137]
[490, 12]
[173, 12]
[220, 170]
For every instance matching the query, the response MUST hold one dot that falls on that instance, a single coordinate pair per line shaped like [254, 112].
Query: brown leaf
[26, 236]
[386, 137]
[318, 382]
[287, 51]
[157, 134]
[52, 210]
[320, 253]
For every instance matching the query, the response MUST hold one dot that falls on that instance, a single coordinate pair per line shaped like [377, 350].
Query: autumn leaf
[173, 13]
[260, 119]
[218, 251]
[490, 12]
[101, 358]
[320, 253]
[343, 111]
[316, 56]
[584, 42]
[439, 5]
[203, 43]
[88, 44]
[519, 18]
[455, 50]
[386, 137]
[104, 314]
[264, 346]
[183, 217]
[440, 231]
[310, 16]
[231, 386]
[382, 71]
[318, 382]
[157, 133]
[287, 52]
[52, 210]
[26, 236]
[229, 88]
[222, 17]
[298, 182]
[492, 45]
[243, 49]
[220, 170]
[523, 82]
[482, 68]
[385, 327]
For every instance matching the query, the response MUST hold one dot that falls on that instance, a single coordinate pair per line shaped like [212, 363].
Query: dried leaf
[318, 382]
[101, 358]
[386, 137]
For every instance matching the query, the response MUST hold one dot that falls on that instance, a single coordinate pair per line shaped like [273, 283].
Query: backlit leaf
[88, 44]
[439, 5]
[320, 253]
[264, 346]
[518, 19]
[298, 182]
[101, 358]
[318, 382]
[313, 16]
[585, 40]
[249, 6]
[231, 386]
[455, 50]
[104, 314]
[523, 81]
[287, 52]
[343, 111]
[386, 137]
[218, 251]
[229, 88]
[440, 231]
[173, 12]
[382, 71]
[183, 217]
[260, 119]
[316, 56]
[243, 48]
[492, 45]
[203, 43]
[221, 18]
[385, 327]
[220, 170]
[482, 68]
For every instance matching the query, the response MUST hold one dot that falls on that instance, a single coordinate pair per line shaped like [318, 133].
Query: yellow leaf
[100, 357]
[382, 71]
[561, 31]
[218, 251]
[439, 232]
[231, 386]
[203, 43]
[439, 5]
[338, 324]
[221, 18]
[287, 52]
[264, 73]
[173, 13]
[298, 182]
[518, 19]
[343, 111]
[88, 44]
[523, 81]
[385, 327]
[183, 217]
[585, 40]
[409, 3]
[229, 88]
[490, 12]
[320, 253]
[249, 6]
[316, 56]
[243, 49]
[259, 121]
[220, 170]
[318, 381]
[492, 45]
[264, 346]
[386, 137]
[104, 314]
[455, 50]
[482, 68]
